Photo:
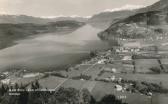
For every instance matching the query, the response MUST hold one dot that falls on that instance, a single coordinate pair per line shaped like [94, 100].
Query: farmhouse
[101, 61]
[118, 87]
[112, 70]
[113, 78]
[127, 58]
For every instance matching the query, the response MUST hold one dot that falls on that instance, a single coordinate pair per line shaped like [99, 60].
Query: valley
[121, 55]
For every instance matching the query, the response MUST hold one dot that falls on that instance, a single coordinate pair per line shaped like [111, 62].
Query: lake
[51, 51]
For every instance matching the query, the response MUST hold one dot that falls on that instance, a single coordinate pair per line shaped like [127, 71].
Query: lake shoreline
[52, 51]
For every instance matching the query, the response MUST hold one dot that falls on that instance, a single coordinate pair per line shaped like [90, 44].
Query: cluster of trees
[93, 54]
[3, 89]
[156, 70]
[59, 74]
[61, 96]
[167, 18]
[145, 87]
[159, 30]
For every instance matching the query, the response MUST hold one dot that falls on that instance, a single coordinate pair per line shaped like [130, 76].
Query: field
[89, 85]
[160, 99]
[164, 61]
[119, 67]
[144, 65]
[77, 84]
[165, 64]
[51, 82]
[77, 71]
[94, 71]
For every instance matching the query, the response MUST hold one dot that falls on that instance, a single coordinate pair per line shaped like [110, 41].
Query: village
[127, 71]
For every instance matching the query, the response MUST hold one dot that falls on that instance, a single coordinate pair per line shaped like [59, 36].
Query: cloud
[125, 7]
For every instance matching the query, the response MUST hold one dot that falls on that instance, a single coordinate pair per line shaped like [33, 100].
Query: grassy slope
[138, 26]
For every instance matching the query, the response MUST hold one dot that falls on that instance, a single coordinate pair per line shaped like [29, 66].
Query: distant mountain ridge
[17, 19]
[100, 20]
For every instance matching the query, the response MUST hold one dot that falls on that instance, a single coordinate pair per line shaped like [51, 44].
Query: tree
[93, 53]
[156, 70]
[16, 86]
[166, 18]
[71, 96]
[37, 85]
[3, 90]
[67, 95]
[33, 86]
[110, 99]
[87, 97]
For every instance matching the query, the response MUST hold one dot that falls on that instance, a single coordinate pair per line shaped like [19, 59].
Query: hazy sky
[64, 7]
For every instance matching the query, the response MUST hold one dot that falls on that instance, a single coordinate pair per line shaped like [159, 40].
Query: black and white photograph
[83, 51]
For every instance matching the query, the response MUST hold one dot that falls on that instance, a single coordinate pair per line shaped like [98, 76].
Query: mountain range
[17, 19]
[100, 20]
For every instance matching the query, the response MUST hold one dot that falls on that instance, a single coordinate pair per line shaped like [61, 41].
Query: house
[82, 79]
[119, 79]
[113, 70]
[149, 94]
[118, 87]
[101, 61]
[127, 58]
[6, 73]
[113, 78]
[107, 79]
[5, 81]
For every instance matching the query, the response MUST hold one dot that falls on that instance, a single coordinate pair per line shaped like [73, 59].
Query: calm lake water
[52, 50]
